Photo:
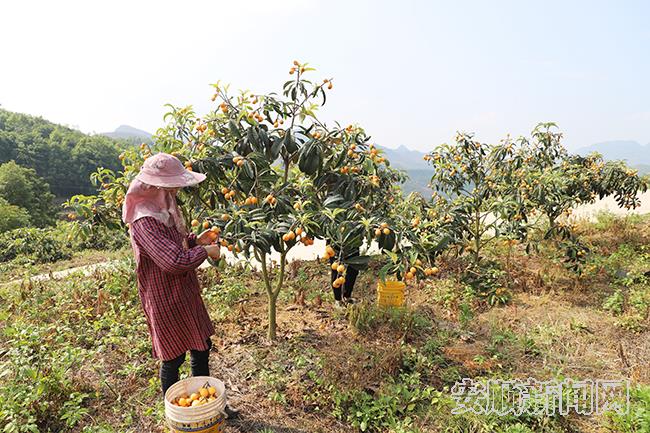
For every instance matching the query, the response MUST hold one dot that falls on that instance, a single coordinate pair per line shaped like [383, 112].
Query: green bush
[637, 419]
[488, 281]
[32, 245]
[22, 187]
[366, 317]
[12, 216]
[99, 238]
[393, 407]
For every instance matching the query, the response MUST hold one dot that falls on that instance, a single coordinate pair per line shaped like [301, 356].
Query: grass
[12, 271]
[75, 352]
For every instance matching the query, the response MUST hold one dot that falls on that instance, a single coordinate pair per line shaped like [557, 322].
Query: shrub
[99, 238]
[488, 281]
[22, 187]
[34, 245]
[637, 419]
[12, 216]
[393, 407]
[615, 303]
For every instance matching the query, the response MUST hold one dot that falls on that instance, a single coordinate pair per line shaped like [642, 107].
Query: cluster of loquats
[296, 67]
[203, 395]
[340, 280]
[434, 156]
[430, 272]
[239, 160]
[410, 274]
[413, 270]
[349, 169]
[382, 229]
[228, 194]
[145, 149]
[374, 155]
[302, 68]
[257, 116]
[352, 154]
[231, 247]
[329, 253]
[298, 235]
[214, 230]
[352, 150]
[271, 200]
[336, 266]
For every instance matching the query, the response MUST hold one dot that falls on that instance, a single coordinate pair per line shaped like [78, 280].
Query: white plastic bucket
[207, 418]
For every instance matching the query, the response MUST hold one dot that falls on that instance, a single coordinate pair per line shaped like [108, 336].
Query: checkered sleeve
[150, 235]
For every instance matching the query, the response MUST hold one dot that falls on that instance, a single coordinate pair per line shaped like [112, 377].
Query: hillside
[631, 151]
[418, 171]
[64, 157]
[404, 158]
[418, 181]
[643, 168]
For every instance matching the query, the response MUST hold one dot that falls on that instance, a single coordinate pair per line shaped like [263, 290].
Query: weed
[366, 318]
[637, 419]
[615, 302]
[392, 407]
[488, 281]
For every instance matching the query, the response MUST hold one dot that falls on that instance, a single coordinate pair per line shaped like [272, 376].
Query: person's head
[153, 191]
[166, 171]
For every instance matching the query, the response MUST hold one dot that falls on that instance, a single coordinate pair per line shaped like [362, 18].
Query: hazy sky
[410, 72]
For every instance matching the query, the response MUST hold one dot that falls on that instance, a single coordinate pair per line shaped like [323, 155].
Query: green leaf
[234, 130]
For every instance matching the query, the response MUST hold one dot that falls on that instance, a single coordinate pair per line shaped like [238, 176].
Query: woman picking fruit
[166, 258]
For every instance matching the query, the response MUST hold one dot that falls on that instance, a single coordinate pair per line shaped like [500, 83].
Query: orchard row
[278, 176]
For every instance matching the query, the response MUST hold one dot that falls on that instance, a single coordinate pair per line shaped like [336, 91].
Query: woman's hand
[207, 237]
[214, 251]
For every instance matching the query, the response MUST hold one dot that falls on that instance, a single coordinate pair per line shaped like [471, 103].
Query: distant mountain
[631, 151]
[419, 172]
[411, 161]
[404, 158]
[643, 168]
[418, 181]
[129, 133]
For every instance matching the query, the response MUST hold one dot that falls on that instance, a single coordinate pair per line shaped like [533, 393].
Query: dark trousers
[350, 278]
[198, 363]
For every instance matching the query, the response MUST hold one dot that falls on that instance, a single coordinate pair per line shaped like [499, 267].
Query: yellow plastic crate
[390, 293]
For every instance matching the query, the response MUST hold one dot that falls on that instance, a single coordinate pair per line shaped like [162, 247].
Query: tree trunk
[271, 293]
[551, 221]
[272, 317]
[477, 238]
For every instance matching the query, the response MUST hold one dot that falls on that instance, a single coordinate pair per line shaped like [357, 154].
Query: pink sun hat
[167, 171]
